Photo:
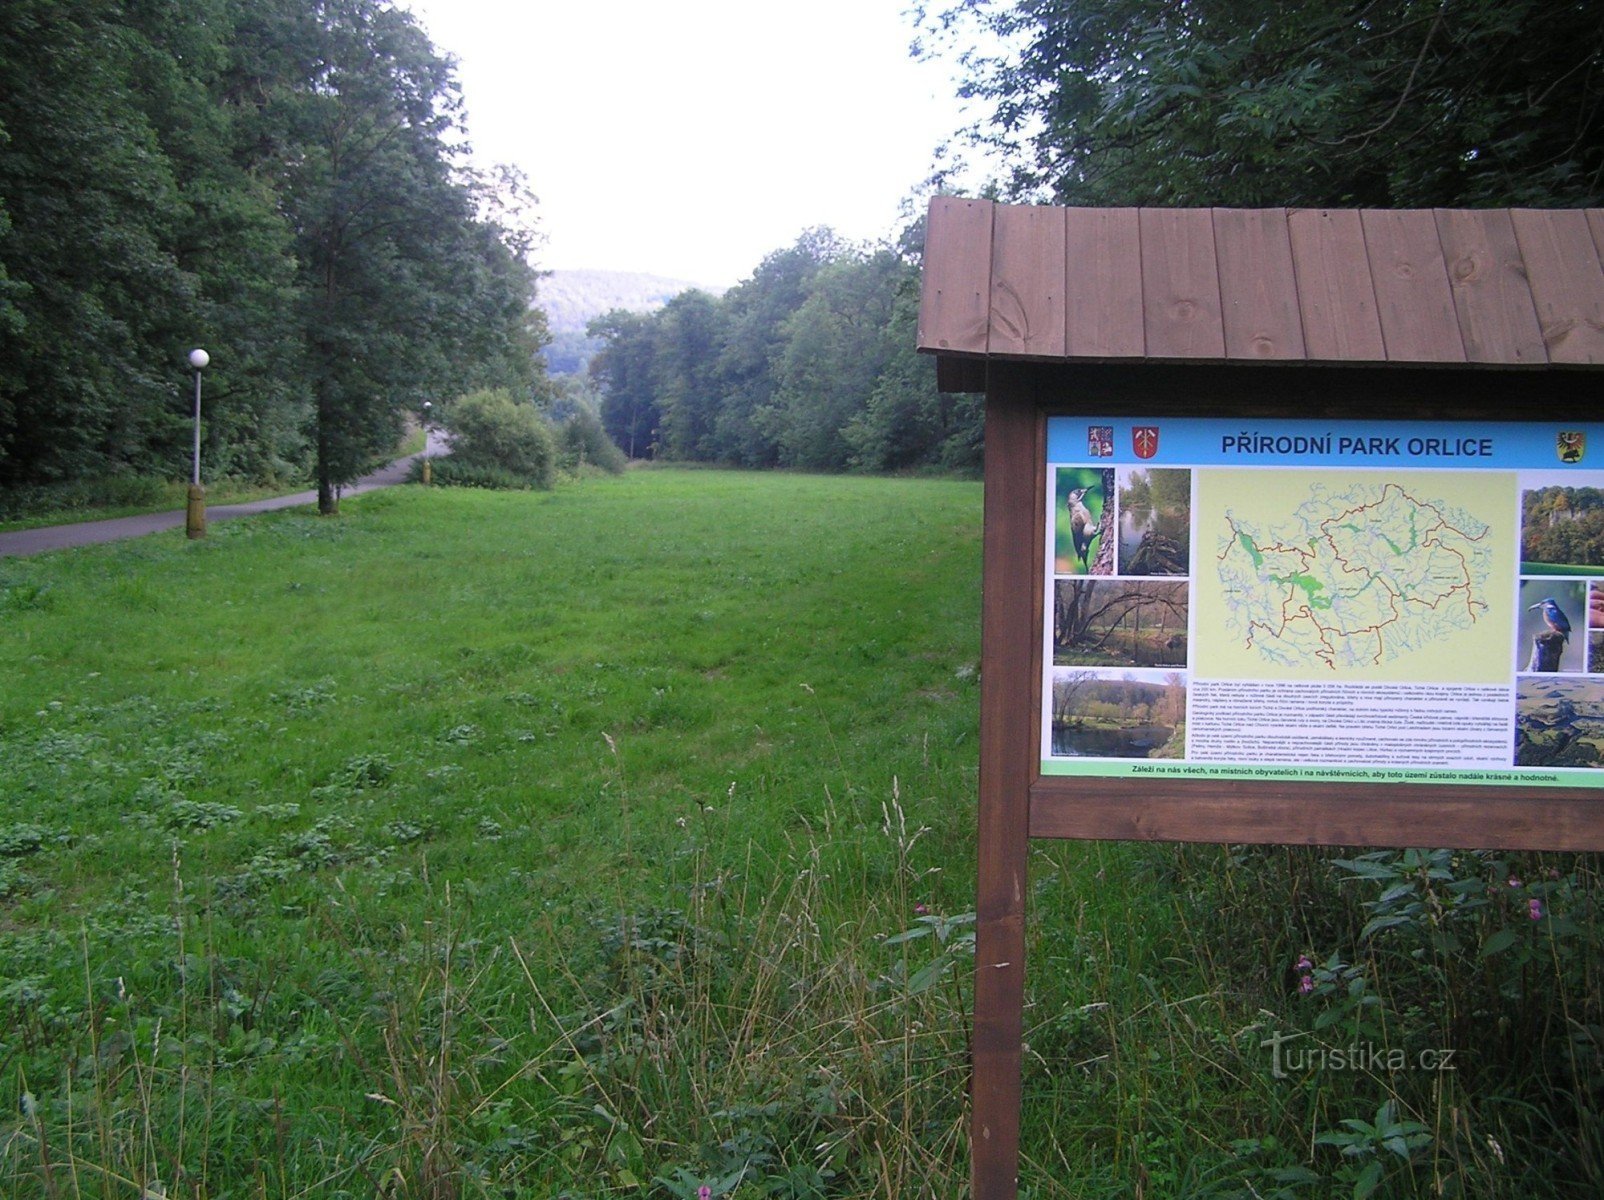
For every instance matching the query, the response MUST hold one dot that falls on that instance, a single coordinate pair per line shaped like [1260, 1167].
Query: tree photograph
[1562, 527]
[1155, 521]
[1118, 714]
[1114, 622]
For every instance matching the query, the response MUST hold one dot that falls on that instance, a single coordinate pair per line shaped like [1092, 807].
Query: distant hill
[573, 298]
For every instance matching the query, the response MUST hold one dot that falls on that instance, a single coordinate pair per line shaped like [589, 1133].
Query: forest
[287, 183]
[1397, 103]
[1563, 526]
[282, 181]
[808, 363]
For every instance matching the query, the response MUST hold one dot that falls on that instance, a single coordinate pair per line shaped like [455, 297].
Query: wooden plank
[1492, 297]
[954, 374]
[1258, 287]
[1103, 283]
[1249, 811]
[1335, 294]
[1027, 281]
[1413, 299]
[1013, 554]
[955, 294]
[1562, 262]
[1180, 284]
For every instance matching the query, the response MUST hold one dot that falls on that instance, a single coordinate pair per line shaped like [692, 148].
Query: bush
[452, 472]
[490, 431]
[109, 491]
[584, 443]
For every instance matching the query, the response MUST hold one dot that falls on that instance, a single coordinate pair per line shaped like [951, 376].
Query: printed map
[1357, 576]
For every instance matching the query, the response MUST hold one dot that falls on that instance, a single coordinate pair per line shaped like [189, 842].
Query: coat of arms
[1144, 440]
[1571, 445]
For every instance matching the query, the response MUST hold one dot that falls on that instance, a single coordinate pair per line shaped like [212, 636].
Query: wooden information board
[1281, 640]
[1351, 414]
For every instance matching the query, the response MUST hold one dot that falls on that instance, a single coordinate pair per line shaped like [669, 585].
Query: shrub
[584, 443]
[489, 429]
[110, 491]
[451, 472]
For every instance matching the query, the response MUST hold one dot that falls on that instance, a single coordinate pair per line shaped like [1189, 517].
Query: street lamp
[427, 474]
[195, 513]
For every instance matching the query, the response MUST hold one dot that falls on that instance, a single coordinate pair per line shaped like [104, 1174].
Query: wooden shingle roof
[1444, 287]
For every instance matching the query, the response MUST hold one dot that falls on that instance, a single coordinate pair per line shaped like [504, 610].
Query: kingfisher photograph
[1553, 621]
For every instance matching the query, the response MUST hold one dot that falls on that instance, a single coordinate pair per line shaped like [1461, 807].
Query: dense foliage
[278, 180]
[809, 363]
[1384, 103]
[1387, 103]
[1563, 525]
[495, 435]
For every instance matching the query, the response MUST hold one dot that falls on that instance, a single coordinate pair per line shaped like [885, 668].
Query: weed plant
[618, 841]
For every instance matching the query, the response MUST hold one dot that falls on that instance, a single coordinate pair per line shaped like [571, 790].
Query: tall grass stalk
[618, 841]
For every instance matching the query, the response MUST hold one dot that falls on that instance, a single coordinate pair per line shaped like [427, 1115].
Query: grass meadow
[618, 841]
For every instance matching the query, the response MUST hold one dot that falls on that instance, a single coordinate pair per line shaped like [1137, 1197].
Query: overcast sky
[689, 138]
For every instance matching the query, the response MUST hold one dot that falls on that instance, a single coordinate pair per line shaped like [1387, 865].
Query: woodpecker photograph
[1083, 521]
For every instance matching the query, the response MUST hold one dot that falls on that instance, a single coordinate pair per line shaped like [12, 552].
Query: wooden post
[1009, 733]
[195, 512]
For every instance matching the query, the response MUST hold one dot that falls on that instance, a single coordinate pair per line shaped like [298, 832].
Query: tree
[687, 344]
[94, 208]
[755, 315]
[1387, 103]
[624, 369]
[400, 284]
[276, 180]
[833, 357]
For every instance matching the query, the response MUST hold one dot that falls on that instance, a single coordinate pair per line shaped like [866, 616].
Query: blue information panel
[1409, 601]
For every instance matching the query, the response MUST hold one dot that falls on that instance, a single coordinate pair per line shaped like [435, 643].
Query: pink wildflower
[1514, 881]
[1534, 909]
[1305, 975]
[704, 1193]
[920, 910]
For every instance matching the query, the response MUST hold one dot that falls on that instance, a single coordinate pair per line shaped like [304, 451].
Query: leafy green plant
[489, 429]
[1370, 1147]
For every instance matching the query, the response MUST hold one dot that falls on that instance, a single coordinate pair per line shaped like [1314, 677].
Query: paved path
[59, 537]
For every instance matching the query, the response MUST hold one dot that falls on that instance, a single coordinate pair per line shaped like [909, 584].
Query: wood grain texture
[1027, 281]
[1413, 300]
[1492, 297]
[1013, 554]
[955, 293]
[1258, 287]
[1562, 261]
[1180, 284]
[1103, 283]
[1492, 287]
[1317, 814]
[1335, 292]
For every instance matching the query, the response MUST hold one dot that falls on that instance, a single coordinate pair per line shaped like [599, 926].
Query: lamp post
[195, 513]
[428, 475]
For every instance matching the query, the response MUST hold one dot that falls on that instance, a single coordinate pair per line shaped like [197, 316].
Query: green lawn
[618, 841]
